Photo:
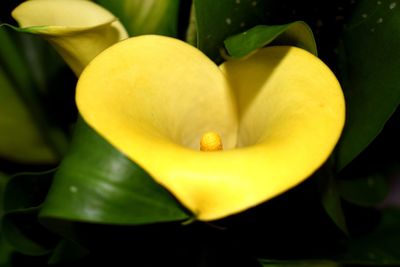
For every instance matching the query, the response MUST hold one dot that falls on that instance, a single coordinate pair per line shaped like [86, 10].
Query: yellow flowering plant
[154, 97]
[201, 138]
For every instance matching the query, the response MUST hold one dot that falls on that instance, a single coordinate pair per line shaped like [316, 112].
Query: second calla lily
[279, 114]
[78, 30]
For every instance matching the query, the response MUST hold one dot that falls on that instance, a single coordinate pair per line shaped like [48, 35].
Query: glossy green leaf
[370, 62]
[364, 191]
[146, 17]
[96, 183]
[296, 34]
[330, 197]
[217, 20]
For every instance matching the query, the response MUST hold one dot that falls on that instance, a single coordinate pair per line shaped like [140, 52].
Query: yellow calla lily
[77, 38]
[278, 112]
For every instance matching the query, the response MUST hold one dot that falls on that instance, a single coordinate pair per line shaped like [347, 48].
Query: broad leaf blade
[146, 17]
[297, 34]
[96, 183]
[217, 20]
[370, 63]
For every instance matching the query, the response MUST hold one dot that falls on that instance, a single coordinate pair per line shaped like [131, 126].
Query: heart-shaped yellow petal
[279, 113]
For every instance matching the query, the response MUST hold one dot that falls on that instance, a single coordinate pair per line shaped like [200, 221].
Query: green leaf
[217, 20]
[27, 134]
[364, 191]
[23, 196]
[27, 190]
[370, 59]
[296, 34]
[5, 253]
[96, 183]
[146, 17]
[21, 139]
[67, 252]
[330, 197]
[23, 232]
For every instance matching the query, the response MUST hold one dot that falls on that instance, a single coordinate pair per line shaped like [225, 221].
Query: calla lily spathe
[279, 113]
[78, 30]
